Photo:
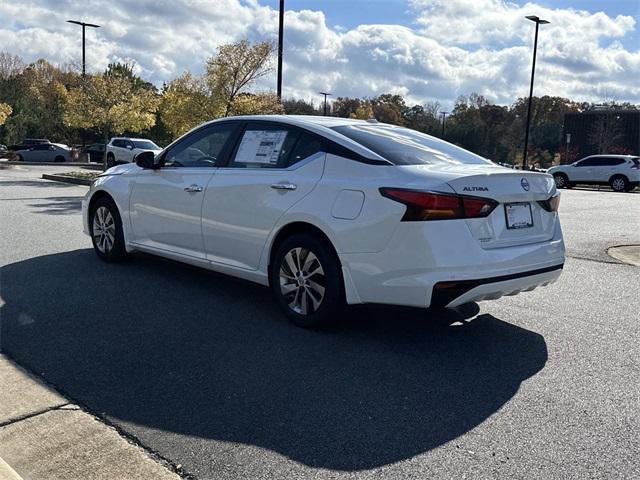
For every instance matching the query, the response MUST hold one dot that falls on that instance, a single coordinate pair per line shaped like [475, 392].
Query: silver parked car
[45, 152]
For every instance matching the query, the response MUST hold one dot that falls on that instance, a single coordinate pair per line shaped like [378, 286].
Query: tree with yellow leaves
[189, 100]
[5, 111]
[112, 103]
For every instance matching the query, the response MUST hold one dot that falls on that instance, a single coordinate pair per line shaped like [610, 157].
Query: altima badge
[525, 184]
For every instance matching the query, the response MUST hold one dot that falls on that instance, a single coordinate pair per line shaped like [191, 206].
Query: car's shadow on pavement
[151, 344]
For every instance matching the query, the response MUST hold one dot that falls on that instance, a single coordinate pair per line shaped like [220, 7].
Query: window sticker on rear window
[261, 146]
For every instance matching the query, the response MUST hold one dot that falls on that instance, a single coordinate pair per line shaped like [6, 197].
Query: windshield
[403, 146]
[146, 144]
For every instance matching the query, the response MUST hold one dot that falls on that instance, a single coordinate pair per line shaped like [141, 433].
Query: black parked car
[95, 152]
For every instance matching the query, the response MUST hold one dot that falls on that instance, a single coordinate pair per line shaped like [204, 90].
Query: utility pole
[538, 21]
[325, 101]
[280, 44]
[84, 58]
[444, 116]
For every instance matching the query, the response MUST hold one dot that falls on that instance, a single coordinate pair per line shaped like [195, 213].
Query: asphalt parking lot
[203, 369]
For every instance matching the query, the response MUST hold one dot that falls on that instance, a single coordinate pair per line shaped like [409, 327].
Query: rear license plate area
[518, 215]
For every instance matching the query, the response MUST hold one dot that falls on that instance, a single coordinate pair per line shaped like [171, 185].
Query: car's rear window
[145, 144]
[403, 146]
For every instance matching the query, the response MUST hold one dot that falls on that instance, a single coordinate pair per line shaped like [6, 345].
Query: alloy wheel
[104, 229]
[302, 281]
[559, 181]
[618, 184]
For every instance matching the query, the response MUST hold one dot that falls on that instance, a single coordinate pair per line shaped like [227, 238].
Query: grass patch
[87, 175]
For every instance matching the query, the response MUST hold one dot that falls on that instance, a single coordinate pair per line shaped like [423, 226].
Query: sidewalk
[43, 436]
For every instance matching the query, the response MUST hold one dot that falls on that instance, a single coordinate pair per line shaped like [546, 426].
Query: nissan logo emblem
[524, 184]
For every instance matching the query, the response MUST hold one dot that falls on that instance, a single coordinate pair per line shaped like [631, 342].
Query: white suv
[124, 149]
[620, 172]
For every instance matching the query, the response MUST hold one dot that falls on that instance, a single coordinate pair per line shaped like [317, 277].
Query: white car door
[583, 171]
[166, 203]
[273, 167]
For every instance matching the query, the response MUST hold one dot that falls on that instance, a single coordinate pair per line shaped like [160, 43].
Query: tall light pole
[280, 43]
[444, 116]
[325, 101]
[538, 21]
[83, 25]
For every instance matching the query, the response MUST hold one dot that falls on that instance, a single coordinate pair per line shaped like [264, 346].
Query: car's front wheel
[306, 280]
[106, 231]
[619, 183]
[562, 181]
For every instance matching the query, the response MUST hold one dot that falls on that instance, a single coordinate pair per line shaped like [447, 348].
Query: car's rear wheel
[106, 231]
[111, 160]
[619, 183]
[306, 280]
[562, 181]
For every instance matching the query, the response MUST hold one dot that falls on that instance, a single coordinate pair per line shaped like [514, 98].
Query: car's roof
[132, 138]
[306, 120]
[611, 155]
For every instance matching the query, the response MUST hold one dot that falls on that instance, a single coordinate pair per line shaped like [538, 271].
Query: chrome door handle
[193, 188]
[284, 186]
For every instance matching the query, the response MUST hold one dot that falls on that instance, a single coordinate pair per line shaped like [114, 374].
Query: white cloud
[454, 46]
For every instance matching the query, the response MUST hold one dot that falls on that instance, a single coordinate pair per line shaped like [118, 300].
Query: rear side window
[265, 146]
[616, 161]
[306, 146]
[403, 146]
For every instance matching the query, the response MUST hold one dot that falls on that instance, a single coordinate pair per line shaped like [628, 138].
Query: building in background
[600, 131]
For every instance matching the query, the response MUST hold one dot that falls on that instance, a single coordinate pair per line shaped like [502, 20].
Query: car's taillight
[439, 206]
[551, 204]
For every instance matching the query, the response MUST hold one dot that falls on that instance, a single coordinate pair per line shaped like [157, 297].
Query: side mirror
[130, 147]
[147, 160]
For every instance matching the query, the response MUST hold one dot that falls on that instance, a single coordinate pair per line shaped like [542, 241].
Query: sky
[425, 50]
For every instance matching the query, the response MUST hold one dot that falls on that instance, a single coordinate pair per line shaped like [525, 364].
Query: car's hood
[120, 169]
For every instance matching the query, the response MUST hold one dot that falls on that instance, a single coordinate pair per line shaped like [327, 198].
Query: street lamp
[444, 116]
[83, 24]
[280, 42]
[325, 101]
[538, 21]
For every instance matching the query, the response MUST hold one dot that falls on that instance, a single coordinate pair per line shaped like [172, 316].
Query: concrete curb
[57, 164]
[6, 472]
[65, 179]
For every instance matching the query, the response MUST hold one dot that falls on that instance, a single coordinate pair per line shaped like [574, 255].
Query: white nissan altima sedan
[330, 210]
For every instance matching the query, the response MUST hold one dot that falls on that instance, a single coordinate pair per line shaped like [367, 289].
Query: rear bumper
[452, 293]
[419, 257]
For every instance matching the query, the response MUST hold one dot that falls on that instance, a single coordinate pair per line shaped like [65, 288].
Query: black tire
[59, 159]
[304, 295]
[108, 243]
[111, 160]
[19, 158]
[562, 181]
[619, 183]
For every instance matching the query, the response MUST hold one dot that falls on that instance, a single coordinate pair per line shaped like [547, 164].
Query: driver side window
[203, 148]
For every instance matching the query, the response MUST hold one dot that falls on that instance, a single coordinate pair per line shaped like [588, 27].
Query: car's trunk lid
[507, 187]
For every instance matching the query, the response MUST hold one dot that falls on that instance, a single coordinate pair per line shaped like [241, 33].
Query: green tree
[111, 103]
